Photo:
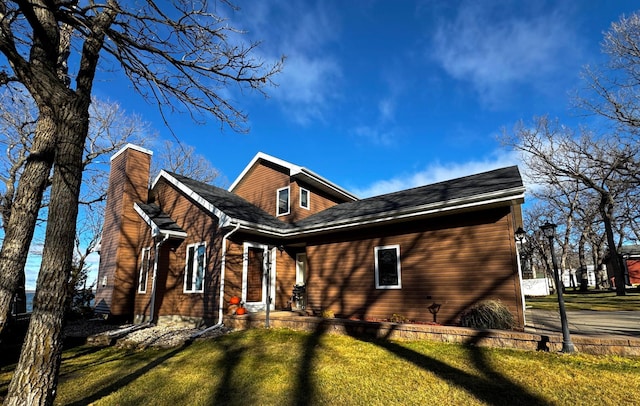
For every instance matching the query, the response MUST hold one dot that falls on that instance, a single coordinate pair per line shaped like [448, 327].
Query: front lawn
[285, 367]
[591, 300]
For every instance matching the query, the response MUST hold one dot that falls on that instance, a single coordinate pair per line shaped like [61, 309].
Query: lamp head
[548, 229]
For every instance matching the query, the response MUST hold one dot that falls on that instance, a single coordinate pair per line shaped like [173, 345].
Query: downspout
[223, 264]
[153, 280]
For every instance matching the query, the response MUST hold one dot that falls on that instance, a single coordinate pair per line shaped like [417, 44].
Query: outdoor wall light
[434, 309]
[549, 231]
[520, 234]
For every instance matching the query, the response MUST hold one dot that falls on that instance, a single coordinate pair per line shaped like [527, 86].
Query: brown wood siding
[233, 272]
[285, 278]
[453, 261]
[260, 186]
[318, 201]
[143, 300]
[128, 182]
[200, 226]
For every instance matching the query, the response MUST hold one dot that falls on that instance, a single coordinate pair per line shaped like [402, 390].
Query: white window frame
[398, 267]
[308, 198]
[288, 189]
[144, 273]
[192, 288]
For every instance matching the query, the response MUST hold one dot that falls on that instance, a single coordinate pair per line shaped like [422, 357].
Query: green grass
[285, 367]
[591, 300]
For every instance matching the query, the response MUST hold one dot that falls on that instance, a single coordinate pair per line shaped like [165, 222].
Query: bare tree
[110, 128]
[17, 124]
[612, 89]
[556, 155]
[177, 54]
[183, 159]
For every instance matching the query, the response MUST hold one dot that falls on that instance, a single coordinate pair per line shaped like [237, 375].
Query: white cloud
[303, 32]
[438, 172]
[384, 131]
[387, 109]
[495, 49]
[379, 135]
[303, 86]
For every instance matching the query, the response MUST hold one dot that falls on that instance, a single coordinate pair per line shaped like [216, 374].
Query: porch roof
[159, 221]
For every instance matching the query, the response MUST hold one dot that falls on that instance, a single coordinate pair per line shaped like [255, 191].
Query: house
[181, 249]
[630, 259]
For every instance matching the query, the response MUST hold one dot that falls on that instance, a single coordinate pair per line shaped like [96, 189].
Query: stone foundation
[446, 334]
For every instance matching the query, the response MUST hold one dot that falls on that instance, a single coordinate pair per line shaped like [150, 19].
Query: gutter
[223, 264]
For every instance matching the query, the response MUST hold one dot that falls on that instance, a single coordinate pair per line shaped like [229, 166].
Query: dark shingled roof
[404, 201]
[160, 218]
[442, 192]
[231, 204]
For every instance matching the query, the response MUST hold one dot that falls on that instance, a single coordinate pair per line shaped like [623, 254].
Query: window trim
[398, 266]
[308, 206]
[192, 288]
[142, 289]
[288, 189]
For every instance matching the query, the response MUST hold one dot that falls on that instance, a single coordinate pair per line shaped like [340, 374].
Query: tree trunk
[24, 213]
[36, 375]
[584, 271]
[606, 209]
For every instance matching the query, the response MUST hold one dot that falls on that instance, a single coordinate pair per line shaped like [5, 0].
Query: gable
[266, 179]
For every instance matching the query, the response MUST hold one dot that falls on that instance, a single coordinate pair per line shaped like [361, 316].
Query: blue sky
[379, 96]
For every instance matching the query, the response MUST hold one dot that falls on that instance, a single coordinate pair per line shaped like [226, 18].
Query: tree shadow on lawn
[232, 355]
[493, 389]
[125, 380]
[304, 390]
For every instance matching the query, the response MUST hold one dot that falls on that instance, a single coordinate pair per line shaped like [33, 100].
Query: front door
[257, 266]
[255, 274]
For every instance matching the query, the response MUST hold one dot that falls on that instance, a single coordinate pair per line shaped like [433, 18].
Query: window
[387, 267]
[283, 201]
[145, 267]
[194, 272]
[304, 198]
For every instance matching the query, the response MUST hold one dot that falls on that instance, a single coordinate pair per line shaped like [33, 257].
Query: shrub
[489, 314]
[398, 318]
[328, 314]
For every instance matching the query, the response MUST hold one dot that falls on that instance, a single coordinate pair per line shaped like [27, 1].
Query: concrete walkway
[585, 322]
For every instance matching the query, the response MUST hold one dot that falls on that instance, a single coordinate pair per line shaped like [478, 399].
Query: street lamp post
[549, 231]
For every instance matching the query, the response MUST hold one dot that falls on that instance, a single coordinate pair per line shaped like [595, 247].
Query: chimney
[117, 273]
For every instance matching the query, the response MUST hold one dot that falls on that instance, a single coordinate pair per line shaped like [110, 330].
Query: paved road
[585, 322]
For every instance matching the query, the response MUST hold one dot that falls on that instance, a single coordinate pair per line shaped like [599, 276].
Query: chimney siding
[117, 275]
